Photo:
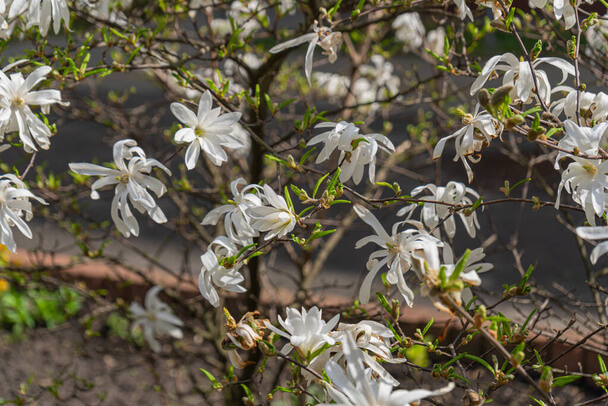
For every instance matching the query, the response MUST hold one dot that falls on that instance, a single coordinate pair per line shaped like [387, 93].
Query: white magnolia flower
[276, 218]
[480, 128]
[207, 130]
[587, 181]
[15, 209]
[355, 386]
[372, 338]
[132, 179]
[216, 272]
[236, 221]
[356, 150]
[463, 10]
[16, 97]
[40, 13]
[334, 85]
[434, 214]
[597, 35]
[322, 36]
[560, 9]
[473, 263]
[395, 252]
[593, 107]
[435, 40]
[429, 269]
[595, 233]
[519, 75]
[155, 319]
[409, 30]
[306, 331]
[587, 140]
[497, 9]
[383, 83]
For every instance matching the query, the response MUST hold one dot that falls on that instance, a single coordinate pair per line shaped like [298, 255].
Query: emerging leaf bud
[514, 121]
[546, 379]
[484, 98]
[500, 95]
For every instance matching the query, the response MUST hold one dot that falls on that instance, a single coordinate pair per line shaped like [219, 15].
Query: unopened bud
[480, 316]
[267, 348]
[484, 98]
[500, 95]
[533, 134]
[514, 121]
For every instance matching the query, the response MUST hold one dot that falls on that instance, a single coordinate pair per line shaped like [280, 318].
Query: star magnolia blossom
[593, 107]
[463, 10]
[586, 139]
[306, 331]
[14, 206]
[372, 338]
[236, 221]
[519, 75]
[277, 218]
[428, 268]
[409, 30]
[480, 128]
[383, 83]
[355, 387]
[595, 233]
[587, 181]
[132, 180]
[322, 36]
[356, 150]
[434, 214]
[16, 97]
[395, 253]
[216, 272]
[40, 13]
[207, 130]
[561, 9]
[156, 319]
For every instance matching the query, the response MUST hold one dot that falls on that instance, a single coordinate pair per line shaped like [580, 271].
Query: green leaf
[562, 381]
[214, 382]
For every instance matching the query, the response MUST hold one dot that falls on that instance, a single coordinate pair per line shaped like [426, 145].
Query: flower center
[123, 179]
[467, 119]
[199, 131]
[18, 102]
[591, 169]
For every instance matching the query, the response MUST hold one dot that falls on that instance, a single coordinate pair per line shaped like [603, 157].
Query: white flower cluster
[349, 355]
[398, 249]
[356, 150]
[252, 210]
[33, 13]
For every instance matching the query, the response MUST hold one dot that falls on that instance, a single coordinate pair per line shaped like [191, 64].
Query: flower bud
[514, 121]
[484, 98]
[500, 95]
[267, 348]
